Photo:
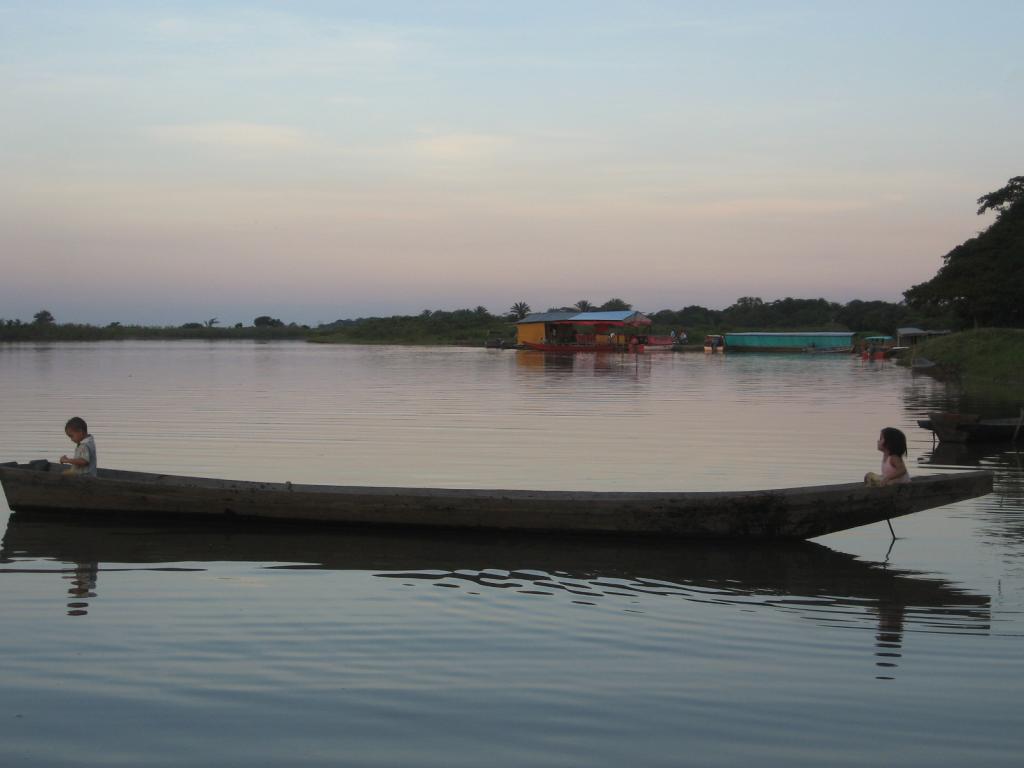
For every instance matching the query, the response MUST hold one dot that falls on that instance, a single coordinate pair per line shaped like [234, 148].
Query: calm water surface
[147, 646]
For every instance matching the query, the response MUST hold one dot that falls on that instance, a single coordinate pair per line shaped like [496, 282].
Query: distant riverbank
[77, 332]
[986, 357]
[459, 328]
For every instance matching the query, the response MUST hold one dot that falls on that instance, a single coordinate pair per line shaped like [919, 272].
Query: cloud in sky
[320, 161]
[236, 135]
[463, 146]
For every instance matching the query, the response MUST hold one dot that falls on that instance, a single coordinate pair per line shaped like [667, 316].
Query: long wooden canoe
[789, 513]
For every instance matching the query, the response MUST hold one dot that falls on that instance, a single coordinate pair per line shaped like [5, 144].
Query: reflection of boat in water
[969, 428]
[965, 454]
[792, 568]
[498, 343]
[808, 579]
[785, 513]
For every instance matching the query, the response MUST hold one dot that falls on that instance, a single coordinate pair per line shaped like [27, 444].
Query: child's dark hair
[895, 441]
[78, 424]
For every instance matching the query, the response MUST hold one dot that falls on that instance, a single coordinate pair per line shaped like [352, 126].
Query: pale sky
[166, 162]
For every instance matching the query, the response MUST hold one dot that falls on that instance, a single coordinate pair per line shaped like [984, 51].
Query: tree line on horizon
[479, 324]
[981, 283]
[44, 327]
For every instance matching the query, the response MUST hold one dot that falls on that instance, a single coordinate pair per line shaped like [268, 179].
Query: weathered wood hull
[791, 513]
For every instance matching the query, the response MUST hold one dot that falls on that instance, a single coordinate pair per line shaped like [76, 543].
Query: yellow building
[588, 331]
[535, 328]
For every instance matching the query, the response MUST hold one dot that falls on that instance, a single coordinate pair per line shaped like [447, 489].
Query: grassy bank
[982, 357]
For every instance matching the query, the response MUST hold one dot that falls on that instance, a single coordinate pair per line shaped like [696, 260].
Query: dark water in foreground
[181, 646]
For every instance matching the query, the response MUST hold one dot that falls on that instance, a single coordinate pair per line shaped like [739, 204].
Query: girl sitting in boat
[893, 445]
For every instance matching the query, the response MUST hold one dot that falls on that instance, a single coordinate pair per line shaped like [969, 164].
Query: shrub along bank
[978, 357]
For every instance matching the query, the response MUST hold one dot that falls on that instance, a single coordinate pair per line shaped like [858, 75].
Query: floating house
[535, 328]
[587, 331]
[800, 341]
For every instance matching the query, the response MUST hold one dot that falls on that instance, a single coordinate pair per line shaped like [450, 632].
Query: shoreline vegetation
[475, 327]
[983, 357]
[977, 357]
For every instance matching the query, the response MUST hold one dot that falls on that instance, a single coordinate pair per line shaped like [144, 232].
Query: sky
[167, 162]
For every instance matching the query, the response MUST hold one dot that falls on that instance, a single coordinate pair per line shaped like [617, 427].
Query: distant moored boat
[802, 341]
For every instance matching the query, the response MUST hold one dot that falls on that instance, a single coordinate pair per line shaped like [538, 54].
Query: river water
[147, 646]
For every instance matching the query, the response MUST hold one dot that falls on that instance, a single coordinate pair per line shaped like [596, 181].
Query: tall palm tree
[520, 310]
[584, 306]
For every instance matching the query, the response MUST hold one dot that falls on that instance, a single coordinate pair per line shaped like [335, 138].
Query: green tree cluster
[45, 328]
[981, 281]
[462, 326]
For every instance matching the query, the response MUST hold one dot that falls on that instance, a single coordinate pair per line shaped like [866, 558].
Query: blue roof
[614, 317]
[618, 316]
[545, 317]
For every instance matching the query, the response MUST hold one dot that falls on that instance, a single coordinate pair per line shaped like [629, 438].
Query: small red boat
[877, 348]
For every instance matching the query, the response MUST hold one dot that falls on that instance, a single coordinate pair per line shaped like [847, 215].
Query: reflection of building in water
[83, 586]
[611, 363]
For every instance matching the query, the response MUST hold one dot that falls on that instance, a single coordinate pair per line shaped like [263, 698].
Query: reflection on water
[83, 586]
[277, 647]
[442, 417]
[1004, 507]
[808, 580]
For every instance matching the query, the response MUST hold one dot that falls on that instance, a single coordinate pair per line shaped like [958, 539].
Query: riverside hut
[587, 331]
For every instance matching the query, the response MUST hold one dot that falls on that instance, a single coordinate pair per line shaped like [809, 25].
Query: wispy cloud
[779, 206]
[463, 146]
[181, 28]
[238, 135]
[275, 42]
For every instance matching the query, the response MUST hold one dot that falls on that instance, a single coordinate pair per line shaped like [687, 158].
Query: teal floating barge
[806, 341]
